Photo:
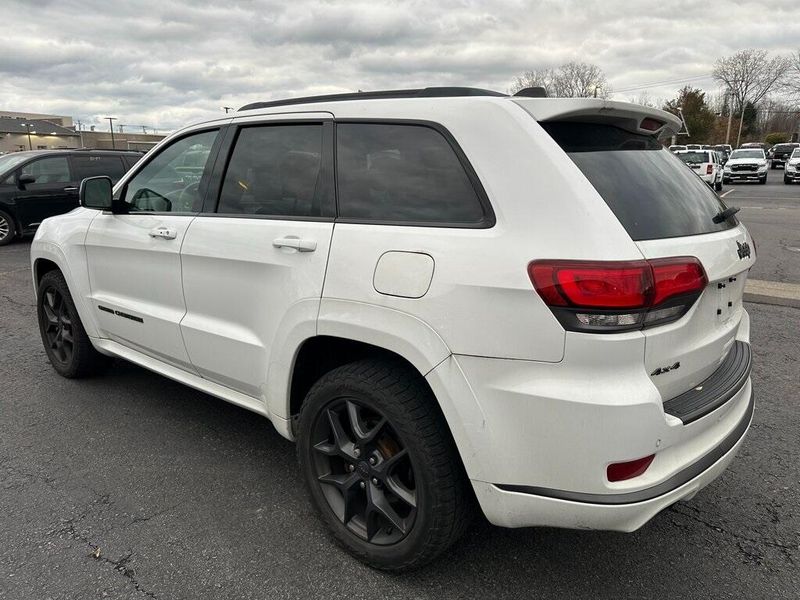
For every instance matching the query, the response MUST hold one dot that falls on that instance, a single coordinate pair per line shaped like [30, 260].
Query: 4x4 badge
[743, 250]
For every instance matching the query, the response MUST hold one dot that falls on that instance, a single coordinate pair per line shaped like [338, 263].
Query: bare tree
[581, 80]
[749, 75]
[570, 80]
[536, 78]
[791, 83]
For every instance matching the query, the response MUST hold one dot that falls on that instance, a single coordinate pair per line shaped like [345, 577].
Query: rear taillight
[709, 170]
[611, 296]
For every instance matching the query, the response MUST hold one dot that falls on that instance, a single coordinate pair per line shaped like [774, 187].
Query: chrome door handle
[166, 233]
[70, 189]
[296, 243]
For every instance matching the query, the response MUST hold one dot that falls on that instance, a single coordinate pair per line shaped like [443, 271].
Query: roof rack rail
[429, 92]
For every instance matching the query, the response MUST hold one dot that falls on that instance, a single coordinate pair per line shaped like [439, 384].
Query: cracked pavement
[132, 486]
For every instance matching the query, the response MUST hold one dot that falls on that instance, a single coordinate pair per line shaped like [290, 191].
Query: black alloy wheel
[65, 341]
[381, 466]
[365, 472]
[57, 326]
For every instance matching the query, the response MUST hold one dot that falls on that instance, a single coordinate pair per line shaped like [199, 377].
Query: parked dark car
[39, 184]
[781, 154]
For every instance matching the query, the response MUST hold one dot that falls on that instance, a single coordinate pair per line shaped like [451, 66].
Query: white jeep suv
[443, 295]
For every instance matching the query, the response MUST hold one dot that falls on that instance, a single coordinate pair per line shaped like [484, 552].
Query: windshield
[694, 158]
[9, 161]
[651, 192]
[747, 154]
[796, 153]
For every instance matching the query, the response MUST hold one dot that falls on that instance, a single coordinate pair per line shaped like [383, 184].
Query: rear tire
[370, 435]
[8, 231]
[65, 341]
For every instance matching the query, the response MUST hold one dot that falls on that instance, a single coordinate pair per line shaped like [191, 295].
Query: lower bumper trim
[662, 488]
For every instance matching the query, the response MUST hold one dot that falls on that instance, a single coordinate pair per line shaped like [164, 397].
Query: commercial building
[32, 131]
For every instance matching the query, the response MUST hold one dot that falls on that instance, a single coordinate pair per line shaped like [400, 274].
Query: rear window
[694, 158]
[785, 147]
[647, 187]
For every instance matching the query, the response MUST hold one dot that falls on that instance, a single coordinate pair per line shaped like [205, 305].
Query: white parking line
[726, 193]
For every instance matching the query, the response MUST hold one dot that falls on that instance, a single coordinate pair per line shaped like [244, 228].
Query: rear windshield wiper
[725, 214]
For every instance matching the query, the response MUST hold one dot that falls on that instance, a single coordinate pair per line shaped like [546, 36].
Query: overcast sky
[166, 63]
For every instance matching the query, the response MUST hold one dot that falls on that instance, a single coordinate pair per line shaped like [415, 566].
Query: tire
[65, 341]
[718, 186]
[726, 181]
[8, 231]
[786, 180]
[763, 180]
[379, 408]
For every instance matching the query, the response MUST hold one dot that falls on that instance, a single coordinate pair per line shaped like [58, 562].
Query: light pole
[28, 127]
[730, 117]
[111, 127]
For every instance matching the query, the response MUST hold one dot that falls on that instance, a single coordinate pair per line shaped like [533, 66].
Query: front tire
[381, 467]
[8, 231]
[763, 180]
[65, 341]
[786, 180]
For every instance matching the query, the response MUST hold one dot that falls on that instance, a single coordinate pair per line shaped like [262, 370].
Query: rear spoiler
[626, 115]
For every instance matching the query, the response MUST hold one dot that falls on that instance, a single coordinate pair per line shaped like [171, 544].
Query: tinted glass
[694, 158]
[91, 166]
[402, 173]
[48, 170]
[274, 171]
[9, 161]
[170, 182]
[747, 154]
[647, 187]
[784, 147]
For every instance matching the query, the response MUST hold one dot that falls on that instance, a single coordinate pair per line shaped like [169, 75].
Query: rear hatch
[668, 212]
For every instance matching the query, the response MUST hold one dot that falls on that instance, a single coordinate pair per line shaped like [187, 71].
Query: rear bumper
[621, 512]
[536, 438]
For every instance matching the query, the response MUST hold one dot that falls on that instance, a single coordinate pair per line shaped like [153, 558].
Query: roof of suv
[365, 104]
[56, 151]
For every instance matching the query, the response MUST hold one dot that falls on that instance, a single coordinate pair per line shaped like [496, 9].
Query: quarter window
[275, 171]
[402, 173]
[171, 181]
[48, 170]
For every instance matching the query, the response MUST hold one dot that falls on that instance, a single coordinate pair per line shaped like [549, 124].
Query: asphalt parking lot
[772, 214]
[132, 486]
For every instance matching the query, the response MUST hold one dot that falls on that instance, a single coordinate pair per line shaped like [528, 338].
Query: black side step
[721, 386]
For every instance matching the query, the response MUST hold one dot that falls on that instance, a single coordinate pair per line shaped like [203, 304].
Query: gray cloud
[165, 63]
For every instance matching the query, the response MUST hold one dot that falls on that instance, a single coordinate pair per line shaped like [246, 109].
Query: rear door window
[94, 165]
[647, 187]
[275, 170]
[398, 173]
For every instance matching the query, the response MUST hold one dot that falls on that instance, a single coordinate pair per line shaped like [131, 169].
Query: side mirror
[24, 180]
[96, 192]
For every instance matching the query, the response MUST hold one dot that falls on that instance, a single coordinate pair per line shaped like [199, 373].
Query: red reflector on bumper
[629, 470]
